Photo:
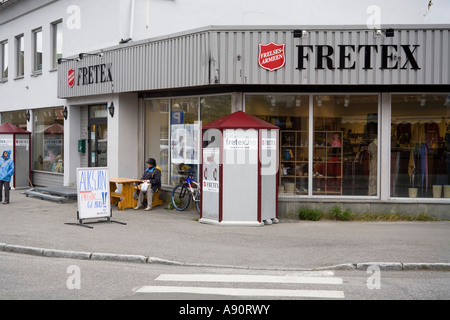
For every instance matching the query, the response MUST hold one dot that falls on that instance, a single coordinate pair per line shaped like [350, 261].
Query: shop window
[184, 137]
[345, 145]
[48, 140]
[420, 145]
[343, 155]
[17, 118]
[291, 114]
[157, 134]
[214, 107]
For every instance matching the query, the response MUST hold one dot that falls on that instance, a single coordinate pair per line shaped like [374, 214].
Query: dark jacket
[154, 176]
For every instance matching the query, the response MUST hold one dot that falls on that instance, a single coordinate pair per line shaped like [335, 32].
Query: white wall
[170, 16]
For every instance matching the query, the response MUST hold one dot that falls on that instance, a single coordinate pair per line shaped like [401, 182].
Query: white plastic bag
[144, 186]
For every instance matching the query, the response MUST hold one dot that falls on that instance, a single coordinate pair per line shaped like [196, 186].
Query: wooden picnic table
[123, 199]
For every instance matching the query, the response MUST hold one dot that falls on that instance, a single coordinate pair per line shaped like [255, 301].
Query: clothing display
[373, 153]
[419, 157]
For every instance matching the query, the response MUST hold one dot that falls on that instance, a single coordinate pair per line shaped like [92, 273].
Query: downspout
[132, 19]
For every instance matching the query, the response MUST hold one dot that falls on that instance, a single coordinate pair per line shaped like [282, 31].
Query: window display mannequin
[373, 152]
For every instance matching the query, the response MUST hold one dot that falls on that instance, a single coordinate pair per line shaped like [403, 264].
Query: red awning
[239, 120]
[10, 128]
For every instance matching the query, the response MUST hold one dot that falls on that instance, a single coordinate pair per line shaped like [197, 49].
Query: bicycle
[182, 193]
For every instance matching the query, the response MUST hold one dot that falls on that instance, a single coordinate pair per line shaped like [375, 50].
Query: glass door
[98, 136]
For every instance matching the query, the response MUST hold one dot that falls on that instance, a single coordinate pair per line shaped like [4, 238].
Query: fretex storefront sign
[342, 57]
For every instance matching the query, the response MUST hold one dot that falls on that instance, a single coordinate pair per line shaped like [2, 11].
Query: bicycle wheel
[180, 197]
[197, 199]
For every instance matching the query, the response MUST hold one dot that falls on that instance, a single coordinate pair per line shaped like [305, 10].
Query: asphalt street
[33, 226]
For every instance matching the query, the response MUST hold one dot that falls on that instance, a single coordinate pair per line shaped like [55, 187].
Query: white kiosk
[17, 140]
[239, 171]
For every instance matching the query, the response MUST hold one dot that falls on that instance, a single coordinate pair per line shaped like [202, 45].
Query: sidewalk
[34, 226]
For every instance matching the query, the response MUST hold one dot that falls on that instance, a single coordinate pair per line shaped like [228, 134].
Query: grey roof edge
[235, 28]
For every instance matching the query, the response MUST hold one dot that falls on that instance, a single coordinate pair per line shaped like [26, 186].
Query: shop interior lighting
[346, 101]
[319, 101]
[423, 102]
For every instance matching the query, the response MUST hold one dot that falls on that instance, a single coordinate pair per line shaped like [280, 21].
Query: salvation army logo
[271, 56]
[71, 78]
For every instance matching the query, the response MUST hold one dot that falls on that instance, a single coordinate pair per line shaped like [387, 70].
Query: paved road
[38, 278]
[164, 235]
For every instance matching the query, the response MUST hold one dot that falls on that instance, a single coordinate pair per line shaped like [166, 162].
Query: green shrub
[337, 214]
[309, 214]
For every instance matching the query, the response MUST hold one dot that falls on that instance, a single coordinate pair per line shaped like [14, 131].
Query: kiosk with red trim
[239, 170]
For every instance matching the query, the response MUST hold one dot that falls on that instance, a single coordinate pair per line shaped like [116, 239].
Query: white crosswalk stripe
[312, 278]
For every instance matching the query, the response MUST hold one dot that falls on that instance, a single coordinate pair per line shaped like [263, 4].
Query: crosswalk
[299, 285]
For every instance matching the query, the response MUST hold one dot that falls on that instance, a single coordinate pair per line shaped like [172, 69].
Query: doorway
[98, 136]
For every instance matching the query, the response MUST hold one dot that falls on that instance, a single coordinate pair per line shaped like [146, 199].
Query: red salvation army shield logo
[71, 77]
[271, 56]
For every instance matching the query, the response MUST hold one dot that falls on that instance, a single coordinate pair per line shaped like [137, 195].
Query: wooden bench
[156, 201]
[124, 199]
[116, 197]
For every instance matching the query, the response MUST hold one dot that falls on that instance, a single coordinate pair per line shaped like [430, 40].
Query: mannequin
[373, 152]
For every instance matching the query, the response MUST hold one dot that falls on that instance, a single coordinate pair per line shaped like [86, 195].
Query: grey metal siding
[432, 56]
[43, 179]
[230, 56]
[163, 64]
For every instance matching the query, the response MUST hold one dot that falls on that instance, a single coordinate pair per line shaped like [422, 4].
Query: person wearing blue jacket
[6, 172]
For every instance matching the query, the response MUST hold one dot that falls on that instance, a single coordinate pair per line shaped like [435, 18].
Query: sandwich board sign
[93, 195]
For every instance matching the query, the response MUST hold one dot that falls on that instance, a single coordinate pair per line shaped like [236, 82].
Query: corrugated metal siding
[432, 57]
[43, 179]
[231, 57]
[169, 63]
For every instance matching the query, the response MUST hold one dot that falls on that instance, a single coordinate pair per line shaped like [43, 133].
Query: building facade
[363, 113]
[34, 34]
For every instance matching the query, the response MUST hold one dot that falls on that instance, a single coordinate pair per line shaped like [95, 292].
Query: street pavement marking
[245, 292]
[316, 278]
[248, 278]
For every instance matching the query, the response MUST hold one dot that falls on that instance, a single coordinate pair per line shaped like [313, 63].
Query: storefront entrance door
[98, 137]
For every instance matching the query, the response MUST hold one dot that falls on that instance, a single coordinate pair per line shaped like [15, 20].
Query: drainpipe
[132, 19]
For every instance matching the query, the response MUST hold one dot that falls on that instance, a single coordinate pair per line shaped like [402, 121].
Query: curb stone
[119, 257]
[23, 250]
[52, 253]
[386, 266]
[427, 266]
[67, 254]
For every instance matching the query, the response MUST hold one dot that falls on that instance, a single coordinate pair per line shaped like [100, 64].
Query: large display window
[157, 134]
[291, 114]
[345, 145]
[337, 156]
[48, 140]
[420, 145]
[172, 131]
[17, 118]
